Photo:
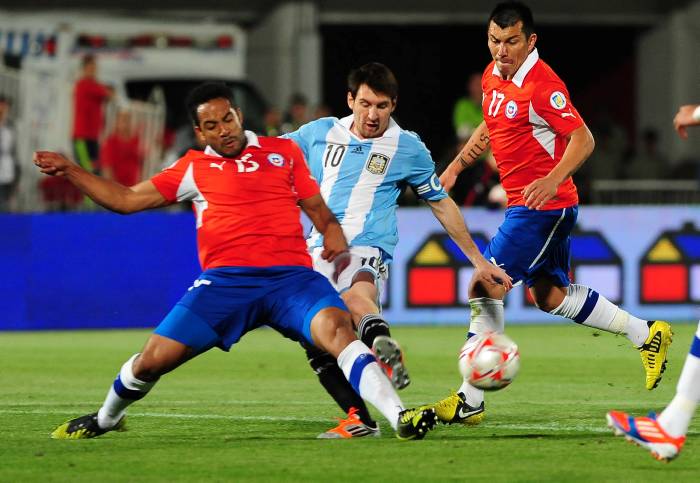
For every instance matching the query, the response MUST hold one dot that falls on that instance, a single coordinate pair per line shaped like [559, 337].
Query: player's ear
[199, 135]
[351, 100]
[531, 42]
[393, 104]
[239, 113]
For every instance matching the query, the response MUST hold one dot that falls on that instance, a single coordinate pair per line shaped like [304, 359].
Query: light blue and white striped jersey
[362, 179]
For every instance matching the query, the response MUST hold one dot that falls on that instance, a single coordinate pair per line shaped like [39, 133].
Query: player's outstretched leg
[646, 432]
[466, 406]
[664, 436]
[585, 306]
[126, 389]
[358, 423]
[331, 329]
[136, 378]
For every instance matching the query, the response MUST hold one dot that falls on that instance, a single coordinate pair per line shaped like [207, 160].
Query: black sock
[370, 327]
[333, 380]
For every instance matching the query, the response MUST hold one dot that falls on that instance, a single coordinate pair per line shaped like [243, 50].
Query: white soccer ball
[489, 361]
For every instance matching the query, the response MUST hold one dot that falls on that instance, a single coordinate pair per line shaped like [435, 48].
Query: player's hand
[493, 274]
[51, 163]
[448, 178]
[539, 192]
[341, 262]
[683, 119]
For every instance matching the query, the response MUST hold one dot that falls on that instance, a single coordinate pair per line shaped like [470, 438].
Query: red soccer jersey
[529, 119]
[87, 108]
[246, 208]
[123, 157]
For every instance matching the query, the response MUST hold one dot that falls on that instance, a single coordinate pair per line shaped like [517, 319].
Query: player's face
[220, 127]
[509, 47]
[371, 112]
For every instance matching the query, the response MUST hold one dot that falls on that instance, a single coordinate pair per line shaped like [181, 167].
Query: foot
[454, 409]
[351, 427]
[646, 432]
[390, 359]
[84, 427]
[415, 423]
[654, 350]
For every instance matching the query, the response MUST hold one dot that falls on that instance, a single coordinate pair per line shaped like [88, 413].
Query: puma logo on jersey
[568, 114]
[220, 166]
[199, 282]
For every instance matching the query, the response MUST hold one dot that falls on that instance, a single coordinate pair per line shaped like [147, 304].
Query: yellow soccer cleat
[454, 409]
[415, 423]
[654, 351]
[84, 427]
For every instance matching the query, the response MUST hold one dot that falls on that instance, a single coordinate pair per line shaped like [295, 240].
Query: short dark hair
[87, 59]
[507, 14]
[204, 93]
[378, 77]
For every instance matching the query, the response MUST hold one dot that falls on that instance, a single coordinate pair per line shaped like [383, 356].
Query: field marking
[549, 427]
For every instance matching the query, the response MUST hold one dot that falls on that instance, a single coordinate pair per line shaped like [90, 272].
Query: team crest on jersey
[557, 100]
[377, 163]
[276, 159]
[511, 109]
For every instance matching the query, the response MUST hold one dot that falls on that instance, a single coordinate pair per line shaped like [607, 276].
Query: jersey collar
[391, 132]
[527, 66]
[250, 136]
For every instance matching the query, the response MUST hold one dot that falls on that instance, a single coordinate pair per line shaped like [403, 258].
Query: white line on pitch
[551, 427]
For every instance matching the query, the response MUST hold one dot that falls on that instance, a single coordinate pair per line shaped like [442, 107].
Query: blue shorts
[533, 244]
[225, 303]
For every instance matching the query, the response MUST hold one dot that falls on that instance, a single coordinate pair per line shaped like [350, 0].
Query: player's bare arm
[448, 214]
[475, 146]
[688, 115]
[334, 242]
[580, 146]
[106, 193]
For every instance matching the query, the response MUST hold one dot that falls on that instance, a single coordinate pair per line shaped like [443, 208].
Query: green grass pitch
[253, 414]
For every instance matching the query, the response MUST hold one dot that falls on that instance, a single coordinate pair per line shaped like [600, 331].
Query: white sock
[587, 307]
[486, 316]
[125, 390]
[675, 419]
[369, 381]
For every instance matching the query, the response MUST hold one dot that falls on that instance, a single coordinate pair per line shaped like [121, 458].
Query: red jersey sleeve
[174, 183]
[97, 90]
[551, 102]
[305, 185]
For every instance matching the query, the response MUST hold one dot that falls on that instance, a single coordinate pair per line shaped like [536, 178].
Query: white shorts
[362, 259]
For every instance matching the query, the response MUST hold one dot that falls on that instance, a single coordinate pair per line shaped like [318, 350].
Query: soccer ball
[489, 361]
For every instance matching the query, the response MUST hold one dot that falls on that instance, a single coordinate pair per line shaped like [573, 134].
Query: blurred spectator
[479, 184]
[322, 110]
[273, 122]
[297, 115]
[120, 155]
[89, 97]
[9, 166]
[606, 161]
[467, 114]
[647, 163]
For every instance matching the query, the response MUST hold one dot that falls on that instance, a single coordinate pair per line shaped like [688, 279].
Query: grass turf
[253, 414]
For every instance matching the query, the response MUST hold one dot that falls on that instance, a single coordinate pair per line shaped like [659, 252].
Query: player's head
[511, 36]
[216, 119]
[88, 64]
[372, 94]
